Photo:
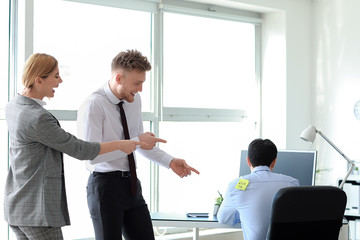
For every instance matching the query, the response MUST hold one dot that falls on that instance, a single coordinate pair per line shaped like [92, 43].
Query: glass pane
[143, 169]
[4, 48]
[76, 177]
[85, 46]
[214, 149]
[210, 61]
[3, 173]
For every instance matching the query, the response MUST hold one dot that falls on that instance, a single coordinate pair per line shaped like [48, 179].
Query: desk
[179, 219]
[352, 211]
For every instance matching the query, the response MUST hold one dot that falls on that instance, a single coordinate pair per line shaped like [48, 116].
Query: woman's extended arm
[126, 146]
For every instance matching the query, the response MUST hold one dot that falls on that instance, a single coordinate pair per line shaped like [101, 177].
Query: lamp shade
[309, 134]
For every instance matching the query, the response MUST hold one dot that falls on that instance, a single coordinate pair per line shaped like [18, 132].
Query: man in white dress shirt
[248, 199]
[114, 210]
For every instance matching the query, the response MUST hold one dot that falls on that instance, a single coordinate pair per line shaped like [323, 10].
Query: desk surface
[179, 219]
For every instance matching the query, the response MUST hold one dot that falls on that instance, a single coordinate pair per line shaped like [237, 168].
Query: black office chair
[307, 212]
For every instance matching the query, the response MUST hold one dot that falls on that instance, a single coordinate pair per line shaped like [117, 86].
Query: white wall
[319, 69]
[287, 69]
[337, 81]
[274, 77]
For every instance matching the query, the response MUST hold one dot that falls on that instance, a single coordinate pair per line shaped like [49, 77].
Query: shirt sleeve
[295, 182]
[227, 212]
[155, 155]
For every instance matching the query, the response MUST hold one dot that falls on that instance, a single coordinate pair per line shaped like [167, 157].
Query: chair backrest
[307, 212]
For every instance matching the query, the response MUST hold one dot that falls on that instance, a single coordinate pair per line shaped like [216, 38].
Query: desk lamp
[309, 135]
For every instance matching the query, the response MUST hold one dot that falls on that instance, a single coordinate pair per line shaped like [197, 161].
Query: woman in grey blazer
[35, 196]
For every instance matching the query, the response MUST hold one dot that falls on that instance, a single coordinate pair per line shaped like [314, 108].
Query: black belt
[123, 174]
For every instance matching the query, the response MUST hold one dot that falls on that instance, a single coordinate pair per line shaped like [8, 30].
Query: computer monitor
[297, 164]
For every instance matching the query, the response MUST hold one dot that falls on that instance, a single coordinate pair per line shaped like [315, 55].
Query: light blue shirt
[251, 207]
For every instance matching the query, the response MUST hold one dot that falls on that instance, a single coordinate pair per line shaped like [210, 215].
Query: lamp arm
[342, 154]
[333, 145]
[346, 176]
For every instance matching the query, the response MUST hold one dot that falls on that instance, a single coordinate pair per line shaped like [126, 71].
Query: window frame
[159, 112]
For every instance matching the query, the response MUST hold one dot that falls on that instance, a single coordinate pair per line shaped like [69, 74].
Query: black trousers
[115, 211]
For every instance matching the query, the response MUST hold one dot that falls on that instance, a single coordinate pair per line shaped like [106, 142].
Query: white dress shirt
[39, 101]
[99, 121]
[251, 207]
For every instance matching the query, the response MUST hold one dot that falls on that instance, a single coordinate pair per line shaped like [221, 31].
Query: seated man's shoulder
[285, 178]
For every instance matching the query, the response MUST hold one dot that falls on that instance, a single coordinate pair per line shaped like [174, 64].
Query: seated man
[248, 199]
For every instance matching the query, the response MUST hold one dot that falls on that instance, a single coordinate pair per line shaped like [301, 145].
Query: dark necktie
[131, 155]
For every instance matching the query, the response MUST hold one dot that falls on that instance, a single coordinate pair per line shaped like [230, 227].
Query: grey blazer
[35, 186]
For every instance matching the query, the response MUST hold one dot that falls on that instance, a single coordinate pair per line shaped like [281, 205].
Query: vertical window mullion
[29, 28]
[157, 102]
[258, 117]
[13, 56]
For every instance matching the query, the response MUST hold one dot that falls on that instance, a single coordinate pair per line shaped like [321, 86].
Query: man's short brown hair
[131, 60]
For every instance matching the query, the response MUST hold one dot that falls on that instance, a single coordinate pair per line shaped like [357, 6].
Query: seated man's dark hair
[262, 152]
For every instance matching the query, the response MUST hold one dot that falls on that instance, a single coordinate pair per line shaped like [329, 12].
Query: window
[210, 91]
[4, 49]
[85, 46]
[210, 63]
[202, 94]
[4, 84]
[211, 147]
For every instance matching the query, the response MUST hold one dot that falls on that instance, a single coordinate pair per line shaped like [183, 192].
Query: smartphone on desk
[197, 215]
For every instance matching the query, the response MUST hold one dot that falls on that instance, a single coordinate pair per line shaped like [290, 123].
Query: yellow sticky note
[242, 184]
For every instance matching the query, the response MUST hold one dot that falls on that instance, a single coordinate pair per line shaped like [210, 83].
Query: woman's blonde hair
[38, 65]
